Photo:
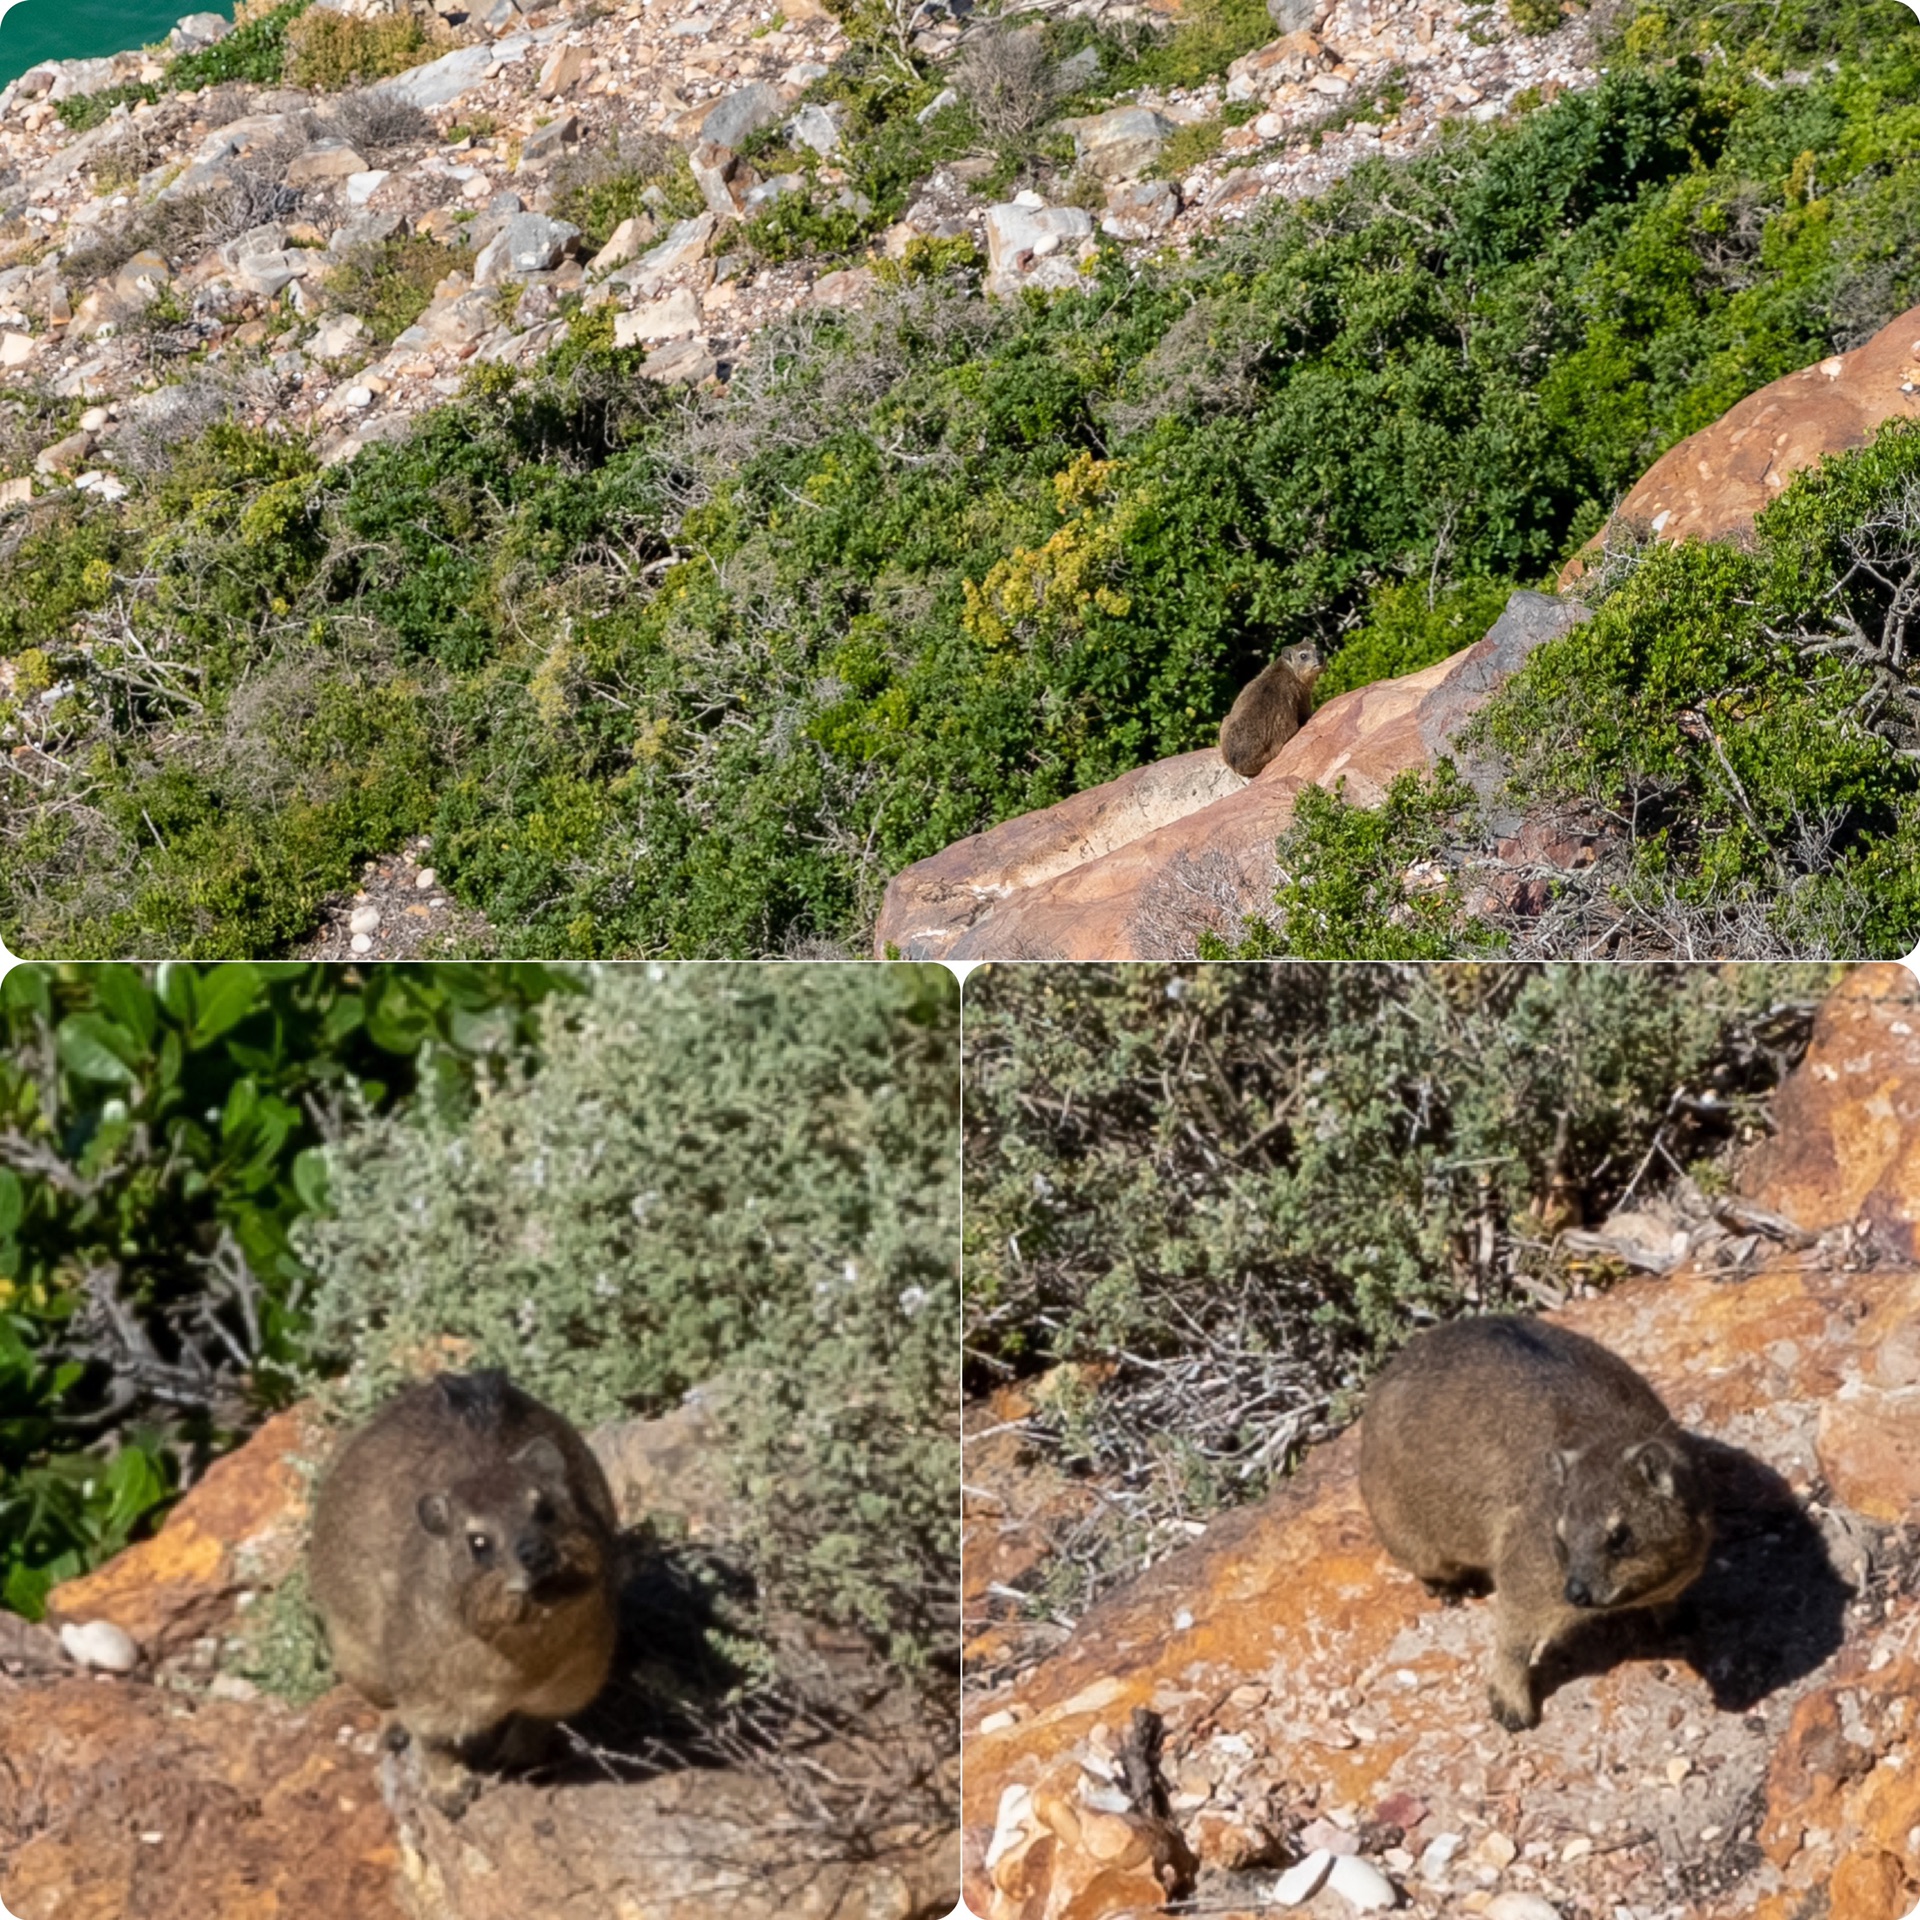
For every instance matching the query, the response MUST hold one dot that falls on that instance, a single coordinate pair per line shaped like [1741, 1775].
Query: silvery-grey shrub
[738, 1171]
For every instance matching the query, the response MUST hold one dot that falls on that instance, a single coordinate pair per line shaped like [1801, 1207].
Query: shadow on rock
[1769, 1610]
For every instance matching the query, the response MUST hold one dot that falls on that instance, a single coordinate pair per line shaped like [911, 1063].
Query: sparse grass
[328, 51]
[389, 285]
[597, 187]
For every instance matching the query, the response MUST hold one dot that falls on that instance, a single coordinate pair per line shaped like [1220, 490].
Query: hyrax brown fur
[1271, 709]
[1509, 1450]
[462, 1563]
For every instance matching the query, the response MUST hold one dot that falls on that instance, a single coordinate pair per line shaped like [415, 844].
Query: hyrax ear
[543, 1459]
[1657, 1464]
[434, 1513]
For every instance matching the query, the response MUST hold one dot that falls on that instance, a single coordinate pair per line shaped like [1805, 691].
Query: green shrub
[599, 187]
[1220, 1196]
[1410, 626]
[159, 1136]
[389, 285]
[331, 51]
[256, 51]
[83, 111]
[1364, 883]
[736, 1172]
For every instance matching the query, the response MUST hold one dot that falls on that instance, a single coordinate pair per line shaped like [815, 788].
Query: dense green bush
[694, 676]
[734, 1172]
[159, 1136]
[1224, 1194]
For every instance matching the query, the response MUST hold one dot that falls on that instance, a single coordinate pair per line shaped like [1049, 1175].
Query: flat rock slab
[120, 1800]
[1137, 868]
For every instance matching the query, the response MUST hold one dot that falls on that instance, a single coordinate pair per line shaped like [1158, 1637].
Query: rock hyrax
[463, 1565]
[1271, 709]
[1513, 1451]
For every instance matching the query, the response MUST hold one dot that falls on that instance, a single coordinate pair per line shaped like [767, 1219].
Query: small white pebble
[1303, 1880]
[1362, 1885]
[364, 920]
[1520, 1906]
[361, 943]
[426, 879]
[100, 1645]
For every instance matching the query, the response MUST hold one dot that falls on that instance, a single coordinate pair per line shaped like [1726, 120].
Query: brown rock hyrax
[1511, 1451]
[462, 1564]
[1271, 709]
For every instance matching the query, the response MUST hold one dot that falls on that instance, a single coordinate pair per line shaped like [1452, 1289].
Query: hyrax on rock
[1511, 1451]
[462, 1564]
[1271, 709]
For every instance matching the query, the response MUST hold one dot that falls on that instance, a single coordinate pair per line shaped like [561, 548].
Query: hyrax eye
[480, 1545]
[1620, 1539]
[543, 1511]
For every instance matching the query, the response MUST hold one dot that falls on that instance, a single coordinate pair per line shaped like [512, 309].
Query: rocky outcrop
[183, 1790]
[1135, 869]
[237, 1531]
[1757, 1756]
[1714, 482]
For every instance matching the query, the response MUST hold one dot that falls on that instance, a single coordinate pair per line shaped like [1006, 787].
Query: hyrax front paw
[448, 1783]
[1515, 1712]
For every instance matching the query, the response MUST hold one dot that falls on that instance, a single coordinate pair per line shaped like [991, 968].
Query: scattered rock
[324, 160]
[1361, 1884]
[528, 243]
[847, 288]
[563, 70]
[546, 144]
[236, 1528]
[100, 1646]
[1140, 209]
[1121, 143]
[741, 113]
[624, 243]
[64, 456]
[197, 30]
[1022, 238]
[1303, 1880]
[686, 363]
[1521, 1906]
[670, 319]
[724, 179]
[818, 127]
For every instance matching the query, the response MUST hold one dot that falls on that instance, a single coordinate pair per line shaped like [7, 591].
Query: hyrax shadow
[1271, 709]
[1510, 1452]
[463, 1566]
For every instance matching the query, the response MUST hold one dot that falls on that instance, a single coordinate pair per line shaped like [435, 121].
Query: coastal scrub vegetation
[672, 674]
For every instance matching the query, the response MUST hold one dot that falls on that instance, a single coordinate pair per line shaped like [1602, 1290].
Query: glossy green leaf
[92, 1048]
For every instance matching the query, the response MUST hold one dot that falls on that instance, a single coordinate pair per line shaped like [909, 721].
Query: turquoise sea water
[36, 30]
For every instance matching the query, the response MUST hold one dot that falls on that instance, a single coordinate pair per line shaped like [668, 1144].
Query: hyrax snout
[1271, 709]
[1509, 1451]
[462, 1564]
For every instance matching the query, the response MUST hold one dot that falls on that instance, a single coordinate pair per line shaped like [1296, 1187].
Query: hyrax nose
[1579, 1594]
[536, 1554]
